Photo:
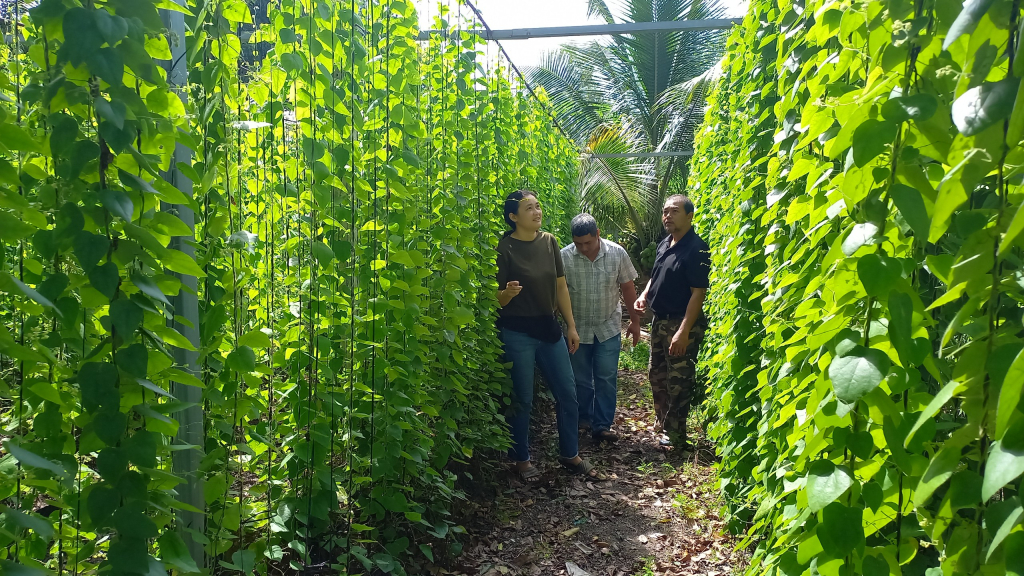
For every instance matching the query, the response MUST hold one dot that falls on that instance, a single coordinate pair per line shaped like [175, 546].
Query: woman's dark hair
[512, 206]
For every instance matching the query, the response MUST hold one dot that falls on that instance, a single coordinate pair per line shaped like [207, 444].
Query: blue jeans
[525, 353]
[596, 367]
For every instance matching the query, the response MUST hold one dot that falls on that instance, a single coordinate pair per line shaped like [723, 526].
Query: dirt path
[657, 515]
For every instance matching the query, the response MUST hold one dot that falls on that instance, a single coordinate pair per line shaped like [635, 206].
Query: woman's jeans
[525, 353]
[596, 366]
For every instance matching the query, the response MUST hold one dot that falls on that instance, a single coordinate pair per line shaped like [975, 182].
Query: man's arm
[694, 308]
[565, 308]
[629, 298]
[640, 305]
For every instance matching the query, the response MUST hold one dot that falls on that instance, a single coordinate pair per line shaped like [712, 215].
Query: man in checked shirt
[597, 271]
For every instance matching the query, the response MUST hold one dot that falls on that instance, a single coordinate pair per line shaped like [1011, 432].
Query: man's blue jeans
[525, 353]
[596, 367]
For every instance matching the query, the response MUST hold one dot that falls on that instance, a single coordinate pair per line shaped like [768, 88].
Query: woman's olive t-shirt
[536, 265]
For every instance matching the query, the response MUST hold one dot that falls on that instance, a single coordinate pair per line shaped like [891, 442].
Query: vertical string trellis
[408, 345]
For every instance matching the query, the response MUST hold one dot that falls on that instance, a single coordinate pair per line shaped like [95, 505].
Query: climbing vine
[324, 187]
[862, 162]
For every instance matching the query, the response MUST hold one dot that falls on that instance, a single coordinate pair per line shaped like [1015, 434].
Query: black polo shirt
[677, 269]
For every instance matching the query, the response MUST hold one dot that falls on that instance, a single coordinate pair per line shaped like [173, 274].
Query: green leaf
[983, 106]
[462, 316]
[965, 23]
[129, 555]
[9, 568]
[98, 383]
[101, 503]
[255, 339]
[114, 112]
[939, 470]
[118, 203]
[108, 65]
[921, 107]
[40, 526]
[178, 261]
[1004, 464]
[825, 483]
[174, 552]
[110, 426]
[1013, 231]
[135, 182]
[242, 359]
[865, 234]
[133, 359]
[105, 279]
[952, 388]
[113, 28]
[90, 249]
[1000, 519]
[911, 205]
[870, 139]
[13, 285]
[323, 253]
[149, 287]
[12, 229]
[33, 460]
[879, 273]
[841, 530]
[1010, 395]
[1013, 549]
[855, 375]
[15, 138]
[126, 316]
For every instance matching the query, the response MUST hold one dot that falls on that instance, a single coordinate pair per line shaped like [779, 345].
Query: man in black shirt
[675, 294]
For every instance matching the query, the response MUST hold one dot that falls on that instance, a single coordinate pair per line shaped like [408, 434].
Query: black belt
[669, 317]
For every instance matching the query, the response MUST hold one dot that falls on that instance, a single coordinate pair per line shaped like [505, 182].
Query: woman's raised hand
[512, 289]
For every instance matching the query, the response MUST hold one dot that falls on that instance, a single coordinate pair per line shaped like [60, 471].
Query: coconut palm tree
[640, 93]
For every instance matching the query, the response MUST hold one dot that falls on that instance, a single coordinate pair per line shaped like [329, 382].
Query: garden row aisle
[859, 171]
[343, 180]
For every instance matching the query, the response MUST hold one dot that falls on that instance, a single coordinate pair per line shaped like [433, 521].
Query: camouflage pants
[673, 377]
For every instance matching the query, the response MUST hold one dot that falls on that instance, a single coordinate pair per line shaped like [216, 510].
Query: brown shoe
[605, 436]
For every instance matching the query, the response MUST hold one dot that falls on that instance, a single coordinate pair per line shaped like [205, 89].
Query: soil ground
[658, 514]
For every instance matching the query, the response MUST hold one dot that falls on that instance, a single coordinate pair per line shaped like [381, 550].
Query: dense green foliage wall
[859, 174]
[346, 194]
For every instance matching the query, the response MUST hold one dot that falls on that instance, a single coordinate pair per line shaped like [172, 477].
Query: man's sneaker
[664, 440]
[605, 436]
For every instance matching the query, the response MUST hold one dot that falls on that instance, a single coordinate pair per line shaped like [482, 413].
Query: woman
[531, 287]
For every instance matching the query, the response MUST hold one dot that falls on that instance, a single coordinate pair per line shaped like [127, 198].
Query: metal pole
[185, 463]
[595, 30]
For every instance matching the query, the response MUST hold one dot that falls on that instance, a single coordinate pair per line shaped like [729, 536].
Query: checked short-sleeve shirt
[594, 289]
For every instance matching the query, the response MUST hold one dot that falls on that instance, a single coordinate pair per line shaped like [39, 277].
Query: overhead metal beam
[641, 154]
[594, 30]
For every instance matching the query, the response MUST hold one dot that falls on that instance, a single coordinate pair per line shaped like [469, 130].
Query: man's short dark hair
[684, 200]
[584, 225]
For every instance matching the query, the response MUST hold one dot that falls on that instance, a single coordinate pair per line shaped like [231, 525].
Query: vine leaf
[1005, 460]
[98, 384]
[841, 530]
[1000, 518]
[919, 107]
[30, 522]
[870, 140]
[12, 284]
[825, 483]
[242, 359]
[149, 287]
[14, 137]
[1010, 395]
[983, 106]
[952, 388]
[879, 273]
[966, 21]
[34, 460]
[910, 203]
[174, 552]
[118, 203]
[863, 234]
[855, 375]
